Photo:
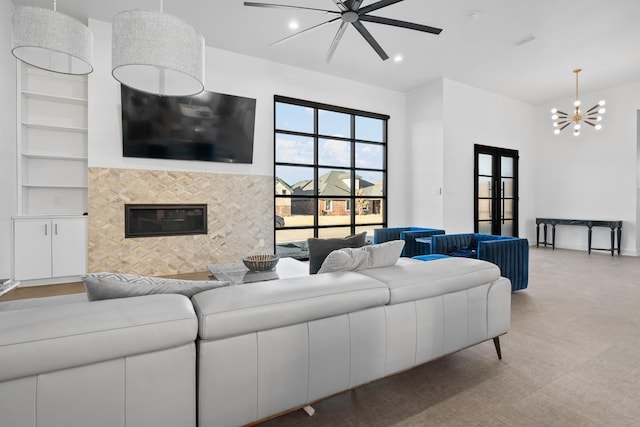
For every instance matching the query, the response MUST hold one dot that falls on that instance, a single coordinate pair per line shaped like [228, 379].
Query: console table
[614, 225]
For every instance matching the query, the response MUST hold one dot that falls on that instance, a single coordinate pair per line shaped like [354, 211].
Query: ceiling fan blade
[402, 24]
[336, 40]
[341, 5]
[377, 5]
[353, 5]
[369, 38]
[286, 6]
[289, 37]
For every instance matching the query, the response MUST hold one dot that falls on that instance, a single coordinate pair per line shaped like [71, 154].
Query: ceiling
[479, 46]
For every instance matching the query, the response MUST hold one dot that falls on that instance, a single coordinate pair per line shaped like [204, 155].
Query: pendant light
[157, 53]
[51, 40]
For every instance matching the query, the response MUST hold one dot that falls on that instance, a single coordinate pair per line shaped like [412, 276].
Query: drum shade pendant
[52, 41]
[157, 53]
[592, 116]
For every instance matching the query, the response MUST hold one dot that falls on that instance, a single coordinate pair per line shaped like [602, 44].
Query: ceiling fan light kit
[592, 116]
[350, 12]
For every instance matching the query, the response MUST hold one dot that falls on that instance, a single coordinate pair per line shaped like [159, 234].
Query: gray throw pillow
[101, 286]
[320, 248]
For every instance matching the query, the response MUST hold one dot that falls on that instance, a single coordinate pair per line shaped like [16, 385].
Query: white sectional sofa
[67, 362]
[266, 348]
[258, 349]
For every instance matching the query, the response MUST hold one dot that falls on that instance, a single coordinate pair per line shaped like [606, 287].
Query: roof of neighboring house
[334, 183]
[372, 190]
[284, 184]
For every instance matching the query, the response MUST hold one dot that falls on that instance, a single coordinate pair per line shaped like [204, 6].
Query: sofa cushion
[418, 279]
[55, 337]
[463, 252]
[101, 286]
[319, 249]
[22, 304]
[242, 309]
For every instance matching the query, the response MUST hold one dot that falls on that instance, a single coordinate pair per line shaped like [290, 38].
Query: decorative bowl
[260, 262]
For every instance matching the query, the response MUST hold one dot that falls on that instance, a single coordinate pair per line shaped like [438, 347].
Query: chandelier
[592, 116]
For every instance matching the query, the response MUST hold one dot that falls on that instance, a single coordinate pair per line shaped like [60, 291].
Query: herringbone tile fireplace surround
[240, 213]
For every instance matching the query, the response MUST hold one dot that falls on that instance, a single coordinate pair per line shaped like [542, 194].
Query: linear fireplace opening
[152, 220]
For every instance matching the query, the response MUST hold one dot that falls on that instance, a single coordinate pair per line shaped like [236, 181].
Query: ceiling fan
[351, 12]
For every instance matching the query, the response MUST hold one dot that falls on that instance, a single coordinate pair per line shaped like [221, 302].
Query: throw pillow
[101, 286]
[348, 259]
[320, 248]
[384, 254]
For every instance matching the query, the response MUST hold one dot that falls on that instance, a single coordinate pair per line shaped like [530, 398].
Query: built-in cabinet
[50, 237]
[48, 247]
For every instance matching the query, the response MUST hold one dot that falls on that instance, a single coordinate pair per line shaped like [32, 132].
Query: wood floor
[572, 358]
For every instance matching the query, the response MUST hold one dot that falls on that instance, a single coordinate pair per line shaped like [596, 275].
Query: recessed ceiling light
[397, 58]
[293, 25]
[473, 16]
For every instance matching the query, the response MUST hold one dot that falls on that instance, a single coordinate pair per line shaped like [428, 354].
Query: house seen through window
[330, 173]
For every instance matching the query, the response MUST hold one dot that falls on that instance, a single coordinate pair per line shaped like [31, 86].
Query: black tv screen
[210, 126]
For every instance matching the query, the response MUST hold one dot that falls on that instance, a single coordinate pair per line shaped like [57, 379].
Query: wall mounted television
[210, 126]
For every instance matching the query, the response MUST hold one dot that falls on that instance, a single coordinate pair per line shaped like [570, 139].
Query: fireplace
[149, 220]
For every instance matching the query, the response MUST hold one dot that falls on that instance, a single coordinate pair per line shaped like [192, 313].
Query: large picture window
[330, 173]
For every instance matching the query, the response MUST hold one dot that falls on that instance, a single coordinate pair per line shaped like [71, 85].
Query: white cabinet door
[69, 247]
[32, 249]
[49, 247]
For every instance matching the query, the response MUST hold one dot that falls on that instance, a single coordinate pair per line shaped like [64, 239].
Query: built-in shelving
[54, 98]
[54, 156]
[53, 186]
[58, 128]
[52, 142]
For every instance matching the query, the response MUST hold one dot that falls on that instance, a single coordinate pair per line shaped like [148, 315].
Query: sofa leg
[309, 410]
[496, 343]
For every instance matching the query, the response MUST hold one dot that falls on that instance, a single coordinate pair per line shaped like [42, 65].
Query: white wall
[235, 74]
[425, 139]
[594, 175]
[8, 138]
[475, 116]
[445, 119]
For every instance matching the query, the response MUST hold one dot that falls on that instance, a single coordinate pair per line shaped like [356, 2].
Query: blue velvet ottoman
[430, 257]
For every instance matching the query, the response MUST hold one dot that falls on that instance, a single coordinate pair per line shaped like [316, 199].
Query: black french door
[496, 191]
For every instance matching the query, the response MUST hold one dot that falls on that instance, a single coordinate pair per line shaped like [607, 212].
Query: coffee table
[237, 273]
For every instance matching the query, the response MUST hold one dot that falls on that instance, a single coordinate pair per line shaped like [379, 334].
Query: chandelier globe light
[51, 41]
[592, 116]
[157, 53]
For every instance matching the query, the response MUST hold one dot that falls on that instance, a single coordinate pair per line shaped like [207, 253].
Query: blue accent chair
[510, 254]
[409, 235]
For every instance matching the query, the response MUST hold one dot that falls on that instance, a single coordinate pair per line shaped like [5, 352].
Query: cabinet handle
[46, 229]
[56, 229]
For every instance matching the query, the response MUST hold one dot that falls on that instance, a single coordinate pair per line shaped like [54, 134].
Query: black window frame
[351, 169]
